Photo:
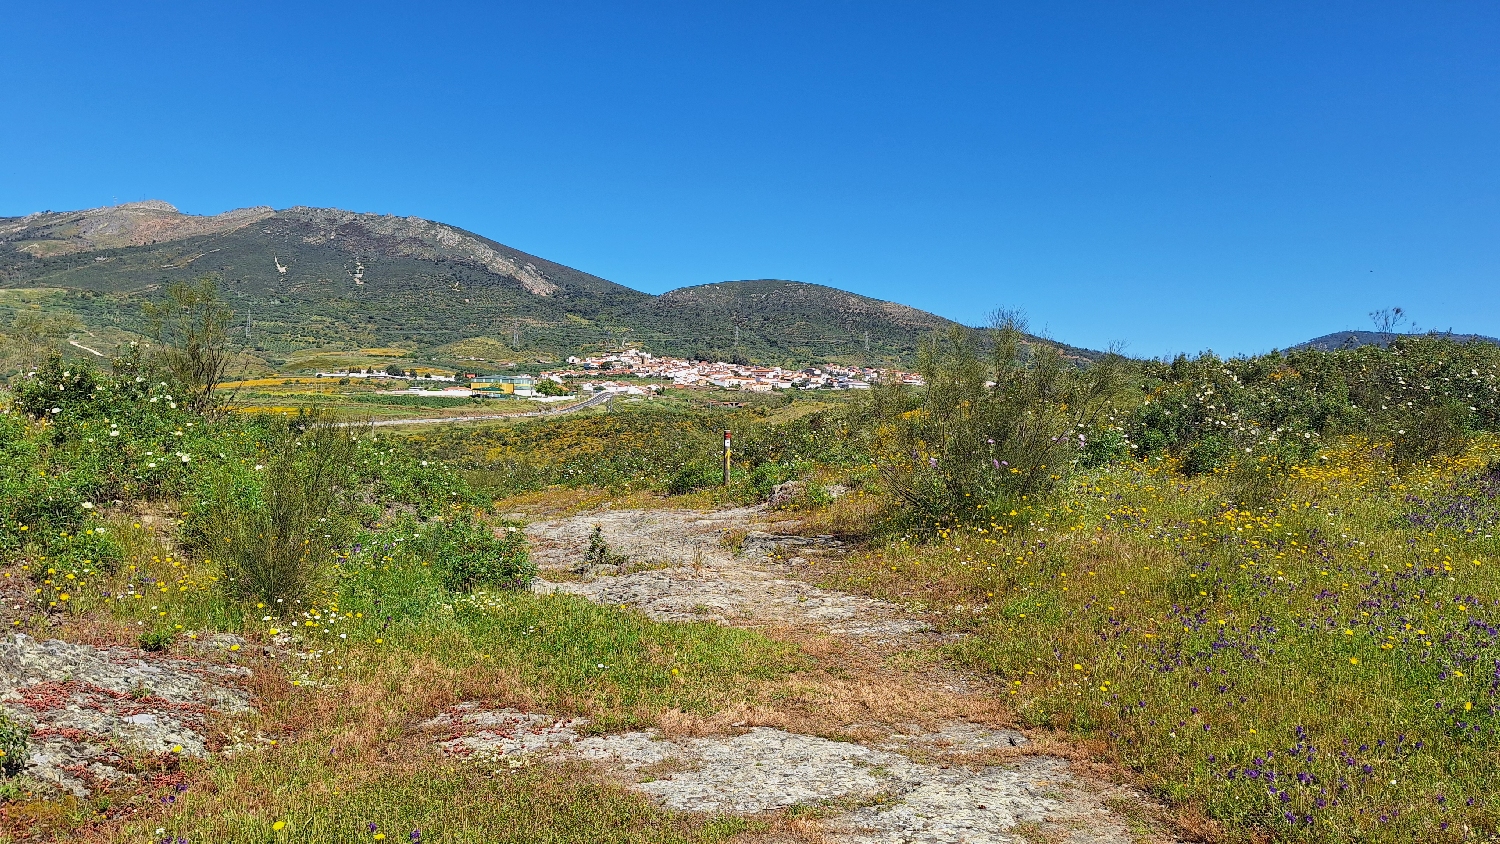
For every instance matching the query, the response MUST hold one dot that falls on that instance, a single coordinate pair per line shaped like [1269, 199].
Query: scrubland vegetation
[1266, 588]
[376, 588]
[1265, 585]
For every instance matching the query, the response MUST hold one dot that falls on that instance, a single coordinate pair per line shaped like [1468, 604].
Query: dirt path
[876, 752]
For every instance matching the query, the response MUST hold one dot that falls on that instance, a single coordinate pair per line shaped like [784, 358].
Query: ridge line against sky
[1174, 176]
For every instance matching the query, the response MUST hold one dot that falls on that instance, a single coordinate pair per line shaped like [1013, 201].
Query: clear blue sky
[1175, 176]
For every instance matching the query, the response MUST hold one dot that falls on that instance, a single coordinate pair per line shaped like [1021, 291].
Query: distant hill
[317, 277]
[1355, 339]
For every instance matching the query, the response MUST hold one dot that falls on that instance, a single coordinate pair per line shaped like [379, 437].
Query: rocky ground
[932, 779]
[683, 565]
[880, 748]
[99, 717]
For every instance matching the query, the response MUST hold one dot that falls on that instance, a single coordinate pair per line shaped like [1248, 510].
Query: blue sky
[1177, 177]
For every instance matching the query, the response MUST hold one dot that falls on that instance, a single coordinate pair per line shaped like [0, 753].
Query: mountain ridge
[306, 276]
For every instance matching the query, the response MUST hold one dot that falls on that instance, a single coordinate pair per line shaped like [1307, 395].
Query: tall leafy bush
[989, 430]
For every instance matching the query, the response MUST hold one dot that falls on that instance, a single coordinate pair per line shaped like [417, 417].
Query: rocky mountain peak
[115, 226]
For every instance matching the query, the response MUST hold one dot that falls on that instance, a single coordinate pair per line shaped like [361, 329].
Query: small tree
[191, 328]
[1391, 321]
[548, 387]
[986, 434]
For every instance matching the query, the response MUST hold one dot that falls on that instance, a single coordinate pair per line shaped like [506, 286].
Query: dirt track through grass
[878, 740]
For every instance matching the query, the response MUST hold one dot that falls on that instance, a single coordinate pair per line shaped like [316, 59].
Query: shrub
[598, 553]
[14, 744]
[470, 554]
[985, 435]
[765, 477]
[156, 640]
[1439, 429]
[695, 476]
[1104, 445]
[399, 477]
[57, 388]
[1424, 394]
[191, 327]
[272, 526]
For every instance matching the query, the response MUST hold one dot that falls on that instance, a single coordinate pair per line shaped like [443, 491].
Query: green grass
[382, 646]
[351, 757]
[418, 401]
[322, 797]
[558, 645]
[384, 610]
[1324, 640]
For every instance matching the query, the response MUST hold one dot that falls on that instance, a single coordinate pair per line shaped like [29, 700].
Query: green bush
[1423, 394]
[1104, 445]
[1441, 428]
[598, 552]
[764, 478]
[986, 435]
[273, 525]
[470, 554]
[157, 640]
[695, 476]
[57, 388]
[14, 744]
[397, 476]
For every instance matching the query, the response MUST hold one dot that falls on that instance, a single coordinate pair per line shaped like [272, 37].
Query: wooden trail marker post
[727, 437]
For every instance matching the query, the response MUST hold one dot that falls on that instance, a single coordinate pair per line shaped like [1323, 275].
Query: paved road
[595, 400]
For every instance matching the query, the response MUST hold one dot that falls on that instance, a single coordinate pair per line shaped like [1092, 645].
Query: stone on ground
[91, 710]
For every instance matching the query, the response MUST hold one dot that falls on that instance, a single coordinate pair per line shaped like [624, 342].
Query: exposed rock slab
[91, 710]
[869, 795]
[932, 784]
[708, 568]
[468, 730]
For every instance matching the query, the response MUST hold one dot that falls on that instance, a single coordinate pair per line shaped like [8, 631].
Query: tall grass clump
[992, 430]
[273, 525]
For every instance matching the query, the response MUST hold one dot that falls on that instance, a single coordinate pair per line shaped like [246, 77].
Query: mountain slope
[790, 320]
[318, 277]
[133, 224]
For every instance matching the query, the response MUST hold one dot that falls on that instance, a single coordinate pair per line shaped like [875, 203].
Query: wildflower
[279, 826]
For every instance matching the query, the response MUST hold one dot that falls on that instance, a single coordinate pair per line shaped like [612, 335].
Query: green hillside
[324, 278]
